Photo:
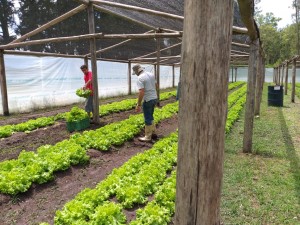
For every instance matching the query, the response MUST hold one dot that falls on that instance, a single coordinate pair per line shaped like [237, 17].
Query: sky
[280, 8]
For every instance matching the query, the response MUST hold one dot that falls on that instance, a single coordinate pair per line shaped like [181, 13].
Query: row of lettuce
[150, 173]
[33, 124]
[17, 175]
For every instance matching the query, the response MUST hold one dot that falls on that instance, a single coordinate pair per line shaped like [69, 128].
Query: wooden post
[129, 78]
[293, 81]
[93, 50]
[283, 67]
[3, 84]
[278, 75]
[232, 74]
[158, 68]
[86, 61]
[235, 74]
[286, 78]
[250, 102]
[173, 76]
[259, 85]
[274, 75]
[202, 110]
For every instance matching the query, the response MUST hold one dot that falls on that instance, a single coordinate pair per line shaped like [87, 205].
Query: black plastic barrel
[275, 96]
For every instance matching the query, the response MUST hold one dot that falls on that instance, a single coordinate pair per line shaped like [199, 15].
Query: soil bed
[41, 201]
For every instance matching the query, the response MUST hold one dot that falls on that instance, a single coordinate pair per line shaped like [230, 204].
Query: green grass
[264, 187]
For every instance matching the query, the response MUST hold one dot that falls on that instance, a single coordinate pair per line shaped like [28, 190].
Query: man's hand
[138, 108]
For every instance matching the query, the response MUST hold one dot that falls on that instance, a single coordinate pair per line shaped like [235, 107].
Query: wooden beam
[40, 54]
[3, 85]
[247, 14]
[155, 58]
[240, 44]
[116, 45]
[101, 9]
[239, 30]
[152, 53]
[51, 23]
[250, 102]
[239, 52]
[91, 36]
[138, 9]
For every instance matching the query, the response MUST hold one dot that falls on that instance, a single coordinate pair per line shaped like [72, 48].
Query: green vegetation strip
[8, 130]
[18, 175]
[139, 177]
[263, 187]
[131, 184]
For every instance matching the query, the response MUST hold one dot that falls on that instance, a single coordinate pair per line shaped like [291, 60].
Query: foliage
[76, 114]
[7, 10]
[278, 44]
[85, 93]
[8, 130]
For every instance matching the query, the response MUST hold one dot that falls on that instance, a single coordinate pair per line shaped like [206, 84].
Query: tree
[7, 22]
[270, 36]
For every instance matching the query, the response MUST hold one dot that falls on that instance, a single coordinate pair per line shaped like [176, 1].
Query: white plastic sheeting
[39, 82]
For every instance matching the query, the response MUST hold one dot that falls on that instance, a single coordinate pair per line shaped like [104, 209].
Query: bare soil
[41, 201]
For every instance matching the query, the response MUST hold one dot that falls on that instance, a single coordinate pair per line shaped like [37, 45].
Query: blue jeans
[148, 109]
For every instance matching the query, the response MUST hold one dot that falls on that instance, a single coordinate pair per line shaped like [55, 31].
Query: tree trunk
[202, 110]
[250, 103]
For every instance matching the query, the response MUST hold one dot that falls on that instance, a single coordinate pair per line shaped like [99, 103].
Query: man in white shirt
[147, 86]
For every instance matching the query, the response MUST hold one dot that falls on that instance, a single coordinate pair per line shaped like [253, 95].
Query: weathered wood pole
[86, 61]
[93, 50]
[235, 74]
[158, 67]
[250, 102]
[286, 78]
[202, 110]
[173, 76]
[232, 74]
[259, 85]
[283, 68]
[278, 75]
[129, 78]
[293, 81]
[3, 84]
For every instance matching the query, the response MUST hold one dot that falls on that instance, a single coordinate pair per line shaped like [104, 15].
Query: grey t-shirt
[147, 81]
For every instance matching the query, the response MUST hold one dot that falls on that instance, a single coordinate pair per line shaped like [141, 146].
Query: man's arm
[140, 99]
